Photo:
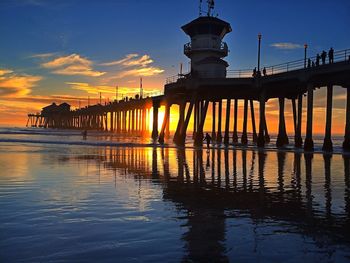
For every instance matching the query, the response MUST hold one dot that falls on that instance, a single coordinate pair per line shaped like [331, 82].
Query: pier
[209, 85]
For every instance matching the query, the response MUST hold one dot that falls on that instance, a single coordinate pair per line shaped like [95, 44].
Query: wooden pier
[209, 82]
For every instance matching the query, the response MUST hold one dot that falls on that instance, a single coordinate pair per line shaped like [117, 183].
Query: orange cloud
[78, 70]
[5, 71]
[72, 64]
[145, 71]
[142, 61]
[140, 66]
[109, 90]
[14, 85]
[121, 61]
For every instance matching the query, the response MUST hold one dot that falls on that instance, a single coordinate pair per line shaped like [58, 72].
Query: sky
[71, 50]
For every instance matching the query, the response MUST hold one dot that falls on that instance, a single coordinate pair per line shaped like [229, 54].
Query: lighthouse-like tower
[206, 49]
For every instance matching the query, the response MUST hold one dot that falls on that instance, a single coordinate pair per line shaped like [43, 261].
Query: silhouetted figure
[331, 55]
[84, 133]
[208, 139]
[323, 57]
[264, 71]
[309, 63]
[313, 64]
[254, 73]
[318, 57]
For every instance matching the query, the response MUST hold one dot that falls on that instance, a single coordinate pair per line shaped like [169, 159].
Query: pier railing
[339, 56]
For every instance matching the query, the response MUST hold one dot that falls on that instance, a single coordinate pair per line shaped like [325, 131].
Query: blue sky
[92, 33]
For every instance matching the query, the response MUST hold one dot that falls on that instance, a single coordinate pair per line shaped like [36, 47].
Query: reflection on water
[176, 205]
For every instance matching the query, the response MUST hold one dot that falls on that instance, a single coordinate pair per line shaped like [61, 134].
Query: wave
[87, 143]
[269, 148]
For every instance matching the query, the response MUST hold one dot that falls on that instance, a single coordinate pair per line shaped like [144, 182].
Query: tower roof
[207, 25]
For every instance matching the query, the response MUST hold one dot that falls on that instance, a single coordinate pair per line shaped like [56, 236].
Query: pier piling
[309, 144]
[327, 143]
[244, 138]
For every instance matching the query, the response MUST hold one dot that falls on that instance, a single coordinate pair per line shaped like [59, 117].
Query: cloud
[121, 61]
[286, 45]
[92, 89]
[43, 55]
[5, 71]
[134, 65]
[145, 71]
[131, 60]
[15, 85]
[142, 61]
[108, 90]
[72, 64]
[78, 70]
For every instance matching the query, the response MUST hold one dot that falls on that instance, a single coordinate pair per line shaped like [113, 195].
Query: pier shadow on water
[291, 201]
[216, 186]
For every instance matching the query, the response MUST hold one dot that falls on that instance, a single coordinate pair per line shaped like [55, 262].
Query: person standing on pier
[331, 55]
[323, 57]
[309, 63]
[254, 73]
[264, 72]
[208, 139]
[318, 57]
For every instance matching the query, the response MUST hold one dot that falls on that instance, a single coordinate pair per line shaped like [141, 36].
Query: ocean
[124, 199]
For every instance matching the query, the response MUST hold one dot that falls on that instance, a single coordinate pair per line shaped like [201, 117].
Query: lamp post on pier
[305, 54]
[259, 47]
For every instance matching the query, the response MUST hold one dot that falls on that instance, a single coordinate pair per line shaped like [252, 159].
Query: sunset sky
[69, 50]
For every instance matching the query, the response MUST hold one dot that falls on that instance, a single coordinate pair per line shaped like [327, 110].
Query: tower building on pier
[206, 49]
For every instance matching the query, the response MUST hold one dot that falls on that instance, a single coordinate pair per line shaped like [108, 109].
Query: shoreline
[230, 147]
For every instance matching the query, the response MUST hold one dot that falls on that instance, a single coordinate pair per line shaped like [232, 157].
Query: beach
[98, 200]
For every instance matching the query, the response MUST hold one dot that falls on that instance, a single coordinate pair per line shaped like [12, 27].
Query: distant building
[54, 108]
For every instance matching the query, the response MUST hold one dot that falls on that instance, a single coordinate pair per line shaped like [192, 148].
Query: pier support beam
[252, 113]
[261, 137]
[155, 120]
[219, 135]
[227, 122]
[164, 124]
[327, 142]
[118, 121]
[213, 133]
[346, 143]
[309, 143]
[244, 138]
[295, 117]
[133, 120]
[235, 121]
[182, 135]
[129, 120]
[267, 136]
[180, 123]
[298, 140]
[199, 136]
[196, 118]
[282, 138]
[167, 127]
[112, 121]
[144, 119]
